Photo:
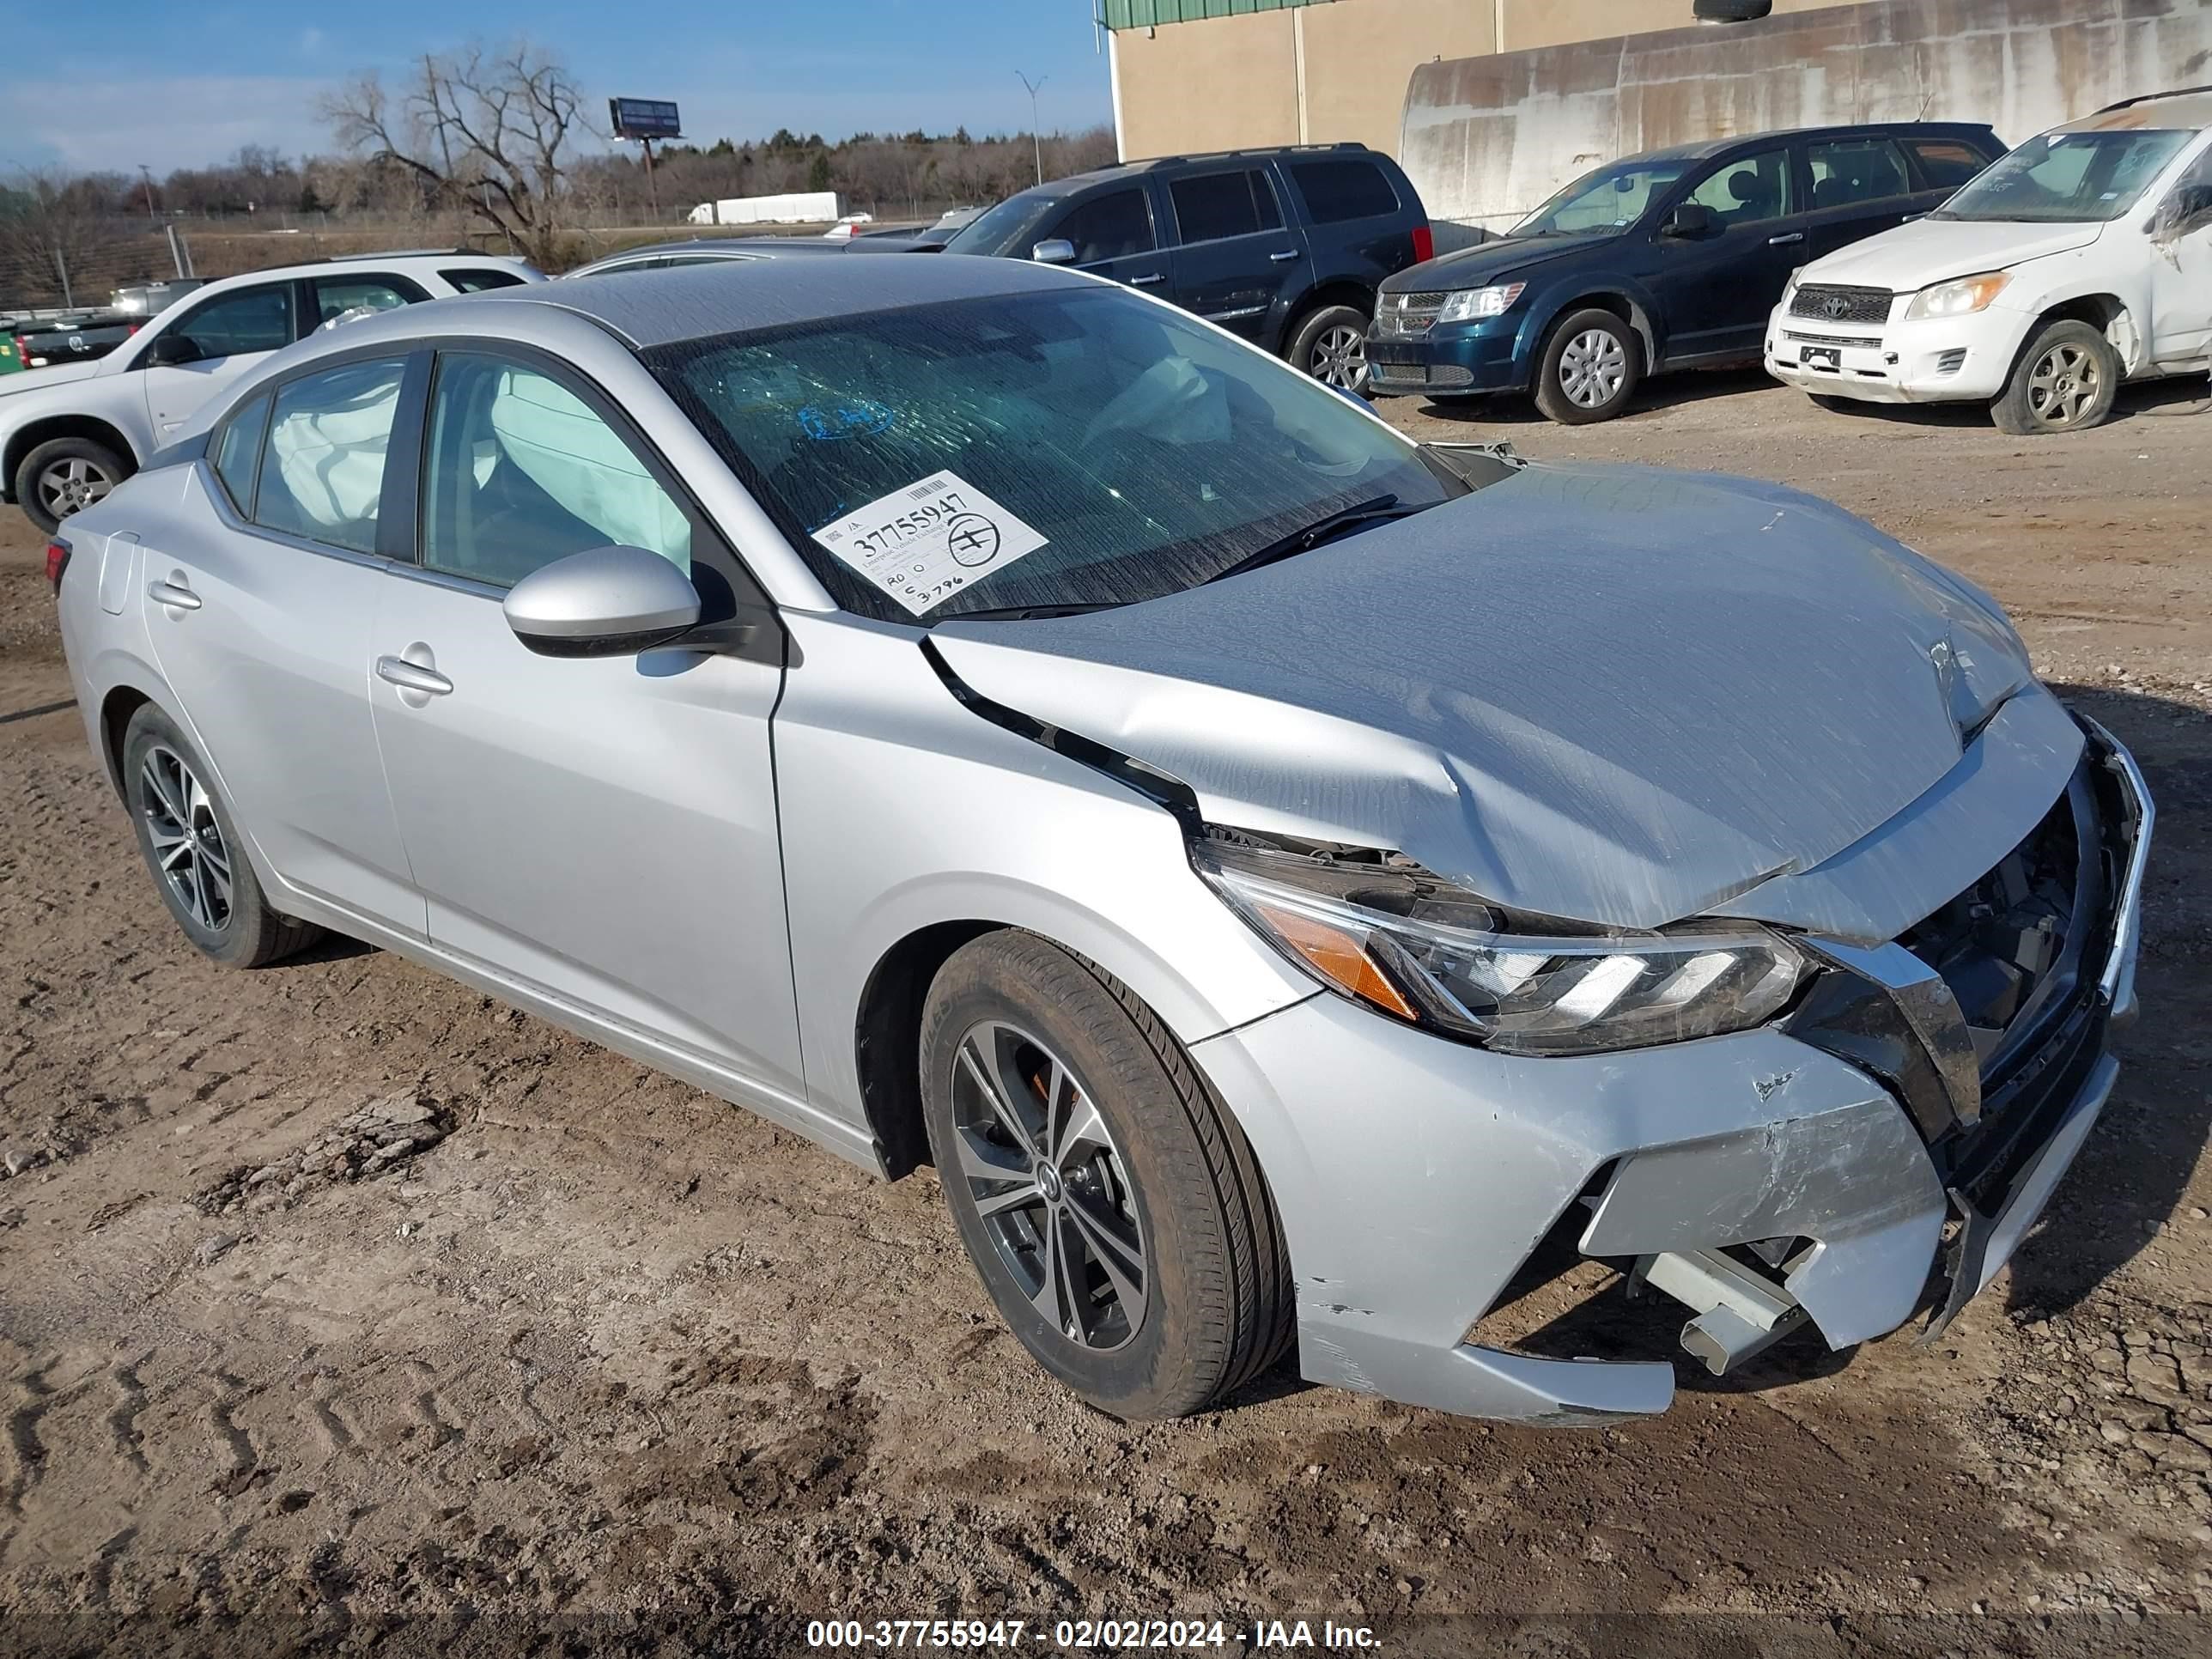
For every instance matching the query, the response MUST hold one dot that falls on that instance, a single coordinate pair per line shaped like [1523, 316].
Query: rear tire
[193, 851]
[1181, 1290]
[2066, 382]
[1331, 345]
[64, 476]
[1589, 369]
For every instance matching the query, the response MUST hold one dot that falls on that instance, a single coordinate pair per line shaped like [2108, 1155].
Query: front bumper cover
[1415, 1176]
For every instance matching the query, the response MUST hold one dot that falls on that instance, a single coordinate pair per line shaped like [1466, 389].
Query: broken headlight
[1382, 930]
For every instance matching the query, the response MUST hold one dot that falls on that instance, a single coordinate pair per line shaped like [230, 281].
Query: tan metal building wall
[1321, 73]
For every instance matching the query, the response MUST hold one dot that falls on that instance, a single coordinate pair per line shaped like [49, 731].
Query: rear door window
[322, 468]
[1337, 190]
[1849, 171]
[1109, 226]
[1946, 163]
[1211, 206]
[337, 295]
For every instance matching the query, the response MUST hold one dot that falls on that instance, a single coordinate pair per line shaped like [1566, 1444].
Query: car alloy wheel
[188, 847]
[1339, 358]
[72, 483]
[1593, 368]
[2065, 384]
[1051, 1187]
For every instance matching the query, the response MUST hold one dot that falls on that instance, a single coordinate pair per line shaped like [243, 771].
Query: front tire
[1331, 345]
[192, 850]
[64, 476]
[1589, 369]
[1112, 1209]
[2065, 381]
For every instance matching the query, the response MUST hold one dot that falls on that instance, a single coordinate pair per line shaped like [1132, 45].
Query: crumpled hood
[1606, 693]
[1929, 251]
[1489, 262]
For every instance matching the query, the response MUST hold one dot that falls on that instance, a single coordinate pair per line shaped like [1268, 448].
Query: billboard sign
[644, 118]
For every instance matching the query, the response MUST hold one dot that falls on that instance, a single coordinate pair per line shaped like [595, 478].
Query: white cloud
[163, 121]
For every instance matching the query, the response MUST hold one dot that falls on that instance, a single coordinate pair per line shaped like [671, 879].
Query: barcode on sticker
[927, 488]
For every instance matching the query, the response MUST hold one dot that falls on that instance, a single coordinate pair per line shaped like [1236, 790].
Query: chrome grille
[1841, 305]
[1857, 342]
[1407, 316]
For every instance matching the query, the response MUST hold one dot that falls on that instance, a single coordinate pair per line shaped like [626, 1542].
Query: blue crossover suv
[1669, 259]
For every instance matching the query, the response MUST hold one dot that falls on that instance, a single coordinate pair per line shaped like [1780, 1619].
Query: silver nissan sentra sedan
[1284, 878]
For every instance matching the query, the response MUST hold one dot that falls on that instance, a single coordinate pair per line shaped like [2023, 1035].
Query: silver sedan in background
[1285, 878]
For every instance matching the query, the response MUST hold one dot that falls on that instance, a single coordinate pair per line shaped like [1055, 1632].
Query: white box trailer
[803, 208]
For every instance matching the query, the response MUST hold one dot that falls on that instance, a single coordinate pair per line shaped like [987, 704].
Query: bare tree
[487, 132]
[60, 239]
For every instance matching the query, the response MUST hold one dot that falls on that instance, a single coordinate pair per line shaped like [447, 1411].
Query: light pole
[1035, 142]
[147, 173]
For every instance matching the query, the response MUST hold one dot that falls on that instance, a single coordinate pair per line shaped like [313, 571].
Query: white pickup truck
[70, 432]
[2080, 260]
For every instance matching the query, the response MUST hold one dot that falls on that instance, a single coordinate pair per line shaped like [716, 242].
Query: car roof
[398, 260]
[691, 302]
[2189, 110]
[1703, 149]
[1120, 170]
[764, 245]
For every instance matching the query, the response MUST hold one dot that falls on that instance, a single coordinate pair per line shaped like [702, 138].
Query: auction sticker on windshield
[924, 543]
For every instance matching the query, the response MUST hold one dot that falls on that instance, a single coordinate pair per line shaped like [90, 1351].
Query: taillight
[56, 562]
[1425, 243]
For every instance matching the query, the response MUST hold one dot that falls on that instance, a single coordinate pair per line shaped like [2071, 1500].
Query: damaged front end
[1802, 1170]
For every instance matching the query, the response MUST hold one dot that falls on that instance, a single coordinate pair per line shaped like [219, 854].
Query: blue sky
[182, 85]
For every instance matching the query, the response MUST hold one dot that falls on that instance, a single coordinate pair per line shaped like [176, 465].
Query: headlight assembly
[1473, 304]
[1960, 299]
[1383, 930]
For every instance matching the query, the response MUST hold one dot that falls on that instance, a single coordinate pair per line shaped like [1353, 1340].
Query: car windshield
[2067, 177]
[1606, 201]
[1077, 448]
[1008, 228]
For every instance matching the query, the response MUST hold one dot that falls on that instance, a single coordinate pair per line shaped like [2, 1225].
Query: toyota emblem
[1835, 307]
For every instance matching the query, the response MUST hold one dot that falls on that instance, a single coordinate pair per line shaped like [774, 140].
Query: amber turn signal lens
[1336, 956]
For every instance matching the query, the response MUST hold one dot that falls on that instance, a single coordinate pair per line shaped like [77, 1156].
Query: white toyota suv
[2081, 260]
[71, 434]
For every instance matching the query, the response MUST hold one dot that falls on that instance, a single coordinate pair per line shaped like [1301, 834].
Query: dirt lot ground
[601, 1344]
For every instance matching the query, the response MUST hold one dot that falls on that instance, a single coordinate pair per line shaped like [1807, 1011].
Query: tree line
[504, 142]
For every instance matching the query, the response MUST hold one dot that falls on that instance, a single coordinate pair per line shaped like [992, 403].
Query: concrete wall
[1487, 138]
[1320, 74]
[1223, 83]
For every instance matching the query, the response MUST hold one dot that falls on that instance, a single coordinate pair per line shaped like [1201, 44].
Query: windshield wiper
[1028, 612]
[1377, 511]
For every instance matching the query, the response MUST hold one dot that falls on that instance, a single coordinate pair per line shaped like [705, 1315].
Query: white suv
[2080, 260]
[71, 434]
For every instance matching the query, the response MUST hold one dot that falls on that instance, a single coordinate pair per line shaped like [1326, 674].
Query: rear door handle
[173, 593]
[1784, 241]
[412, 676]
[1284, 256]
[1147, 280]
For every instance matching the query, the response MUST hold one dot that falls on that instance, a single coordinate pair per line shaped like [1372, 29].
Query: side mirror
[169, 350]
[608, 602]
[1053, 250]
[1689, 221]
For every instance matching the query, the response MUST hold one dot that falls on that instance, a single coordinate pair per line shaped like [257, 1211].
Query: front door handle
[412, 676]
[1146, 280]
[173, 593]
[1284, 256]
[1784, 241]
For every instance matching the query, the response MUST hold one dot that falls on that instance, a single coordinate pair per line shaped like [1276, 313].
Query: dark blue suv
[1670, 259]
[1284, 247]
